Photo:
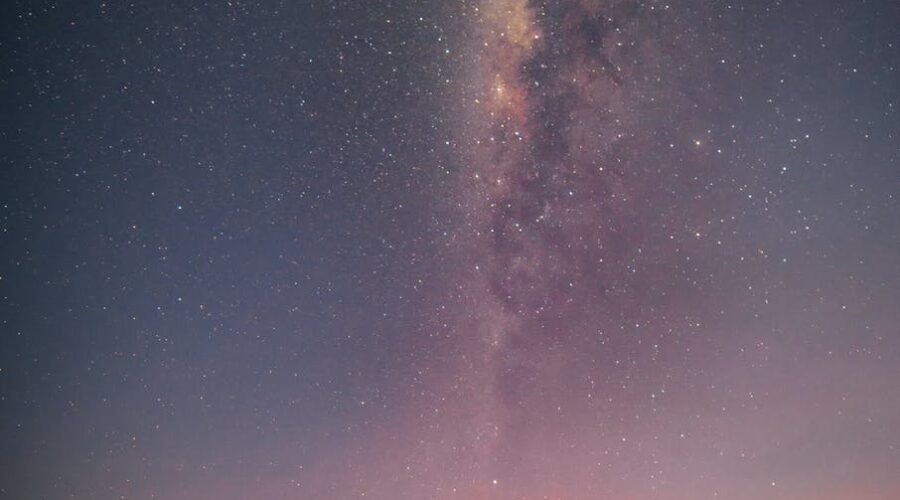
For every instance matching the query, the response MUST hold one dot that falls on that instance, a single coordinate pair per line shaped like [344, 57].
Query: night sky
[473, 250]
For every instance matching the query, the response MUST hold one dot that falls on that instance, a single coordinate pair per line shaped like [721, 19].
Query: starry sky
[474, 250]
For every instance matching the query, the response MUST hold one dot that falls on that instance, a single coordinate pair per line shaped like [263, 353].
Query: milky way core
[450, 250]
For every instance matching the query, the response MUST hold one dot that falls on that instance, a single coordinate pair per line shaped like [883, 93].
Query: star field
[480, 249]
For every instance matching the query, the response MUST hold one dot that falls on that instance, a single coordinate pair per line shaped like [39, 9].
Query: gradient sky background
[480, 249]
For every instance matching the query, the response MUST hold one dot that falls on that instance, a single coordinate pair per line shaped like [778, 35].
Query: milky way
[475, 250]
[569, 296]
